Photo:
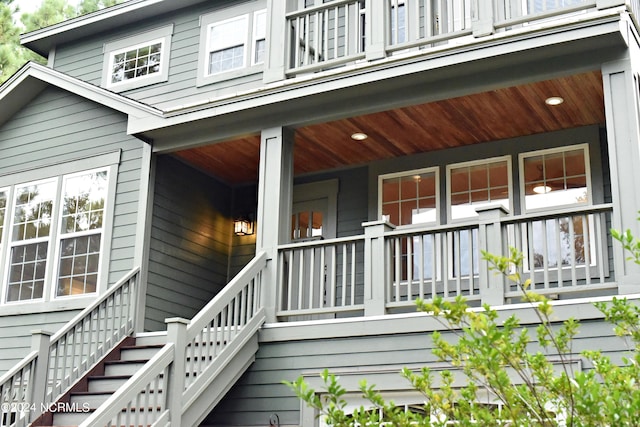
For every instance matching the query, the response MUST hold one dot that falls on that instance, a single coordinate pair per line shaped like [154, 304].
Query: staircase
[103, 381]
[98, 375]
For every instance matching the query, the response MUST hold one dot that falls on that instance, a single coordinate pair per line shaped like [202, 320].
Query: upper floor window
[54, 235]
[476, 184]
[231, 44]
[409, 197]
[138, 60]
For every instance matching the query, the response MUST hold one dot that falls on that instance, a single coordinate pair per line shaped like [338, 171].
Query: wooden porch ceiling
[487, 116]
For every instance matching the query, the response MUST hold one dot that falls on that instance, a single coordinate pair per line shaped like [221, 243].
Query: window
[231, 47]
[137, 61]
[409, 197]
[551, 179]
[477, 184]
[58, 218]
[555, 177]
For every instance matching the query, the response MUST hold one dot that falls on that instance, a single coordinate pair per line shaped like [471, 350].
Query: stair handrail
[228, 321]
[15, 384]
[244, 290]
[55, 363]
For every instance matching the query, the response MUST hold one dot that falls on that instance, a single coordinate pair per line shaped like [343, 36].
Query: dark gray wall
[190, 242]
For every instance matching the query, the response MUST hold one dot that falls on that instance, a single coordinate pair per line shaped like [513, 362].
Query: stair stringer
[212, 394]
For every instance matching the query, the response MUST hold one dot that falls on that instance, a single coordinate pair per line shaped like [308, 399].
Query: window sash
[410, 197]
[132, 64]
[33, 256]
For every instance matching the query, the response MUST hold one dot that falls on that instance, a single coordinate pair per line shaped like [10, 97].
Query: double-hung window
[233, 46]
[138, 60]
[52, 236]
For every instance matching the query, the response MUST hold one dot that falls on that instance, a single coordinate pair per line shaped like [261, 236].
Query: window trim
[9, 182]
[436, 172]
[497, 159]
[111, 48]
[209, 20]
[587, 171]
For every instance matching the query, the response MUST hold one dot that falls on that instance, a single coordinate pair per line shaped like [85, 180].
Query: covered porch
[357, 227]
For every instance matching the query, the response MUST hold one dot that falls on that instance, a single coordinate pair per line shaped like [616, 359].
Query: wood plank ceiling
[483, 117]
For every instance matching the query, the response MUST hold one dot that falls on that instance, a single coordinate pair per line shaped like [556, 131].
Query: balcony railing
[338, 32]
[387, 270]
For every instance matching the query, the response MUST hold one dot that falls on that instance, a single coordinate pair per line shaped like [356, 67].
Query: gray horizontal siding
[57, 127]
[190, 242]
[260, 392]
[83, 59]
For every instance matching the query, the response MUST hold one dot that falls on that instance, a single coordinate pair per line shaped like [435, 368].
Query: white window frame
[110, 49]
[452, 166]
[587, 171]
[435, 170]
[593, 241]
[57, 172]
[250, 13]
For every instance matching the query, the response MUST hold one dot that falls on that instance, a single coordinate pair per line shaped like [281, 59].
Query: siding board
[190, 242]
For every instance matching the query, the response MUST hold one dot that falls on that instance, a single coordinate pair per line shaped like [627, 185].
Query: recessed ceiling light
[359, 136]
[542, 189]
[554, 100]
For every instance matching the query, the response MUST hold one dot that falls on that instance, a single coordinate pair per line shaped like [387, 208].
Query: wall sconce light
[243, 227]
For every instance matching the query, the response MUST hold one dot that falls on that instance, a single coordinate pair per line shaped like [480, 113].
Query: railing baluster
[353, 274]
[586, 246]
[398, 280]
[421, 270]
[557, 236]
[332, 287]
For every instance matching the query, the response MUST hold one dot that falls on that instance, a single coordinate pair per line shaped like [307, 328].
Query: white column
[376, 28]
[376, 267]
[275, 188]
[275, 58]
[491, 239]
[621, 110]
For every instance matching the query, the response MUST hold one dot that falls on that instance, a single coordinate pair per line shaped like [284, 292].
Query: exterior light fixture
[554, 100]
[542, 189]
[359, 136]
[243, 227]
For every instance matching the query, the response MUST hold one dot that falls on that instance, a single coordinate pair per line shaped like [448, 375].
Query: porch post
[40, 342]
[275, 188]
[376, 267]
[176, 335]
[275, 58]
[482, 25]
[490, 239]
[621, 111]
[374, 37]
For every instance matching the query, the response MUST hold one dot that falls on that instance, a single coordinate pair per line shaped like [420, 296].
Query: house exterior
[367, 150]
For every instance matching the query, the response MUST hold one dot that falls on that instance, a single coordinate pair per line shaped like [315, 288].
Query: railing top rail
[17, 367]
[432, 228]
[132, 387]
[587, 4]
[207, 313]
[93, 305]
[323, 242]
[571, 211]
[313, 9]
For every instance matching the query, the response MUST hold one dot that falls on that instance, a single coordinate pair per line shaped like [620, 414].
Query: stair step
[139, 352]
[123, 367]
[151, 338]
[106, 384]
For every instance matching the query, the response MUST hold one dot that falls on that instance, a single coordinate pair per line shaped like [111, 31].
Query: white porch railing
[197, 351]
[320, 277]
[56, 362]
[565, 251]
[337, 32]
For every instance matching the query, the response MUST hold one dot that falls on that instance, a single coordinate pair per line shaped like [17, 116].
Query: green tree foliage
[532, 378]
[50, 12]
